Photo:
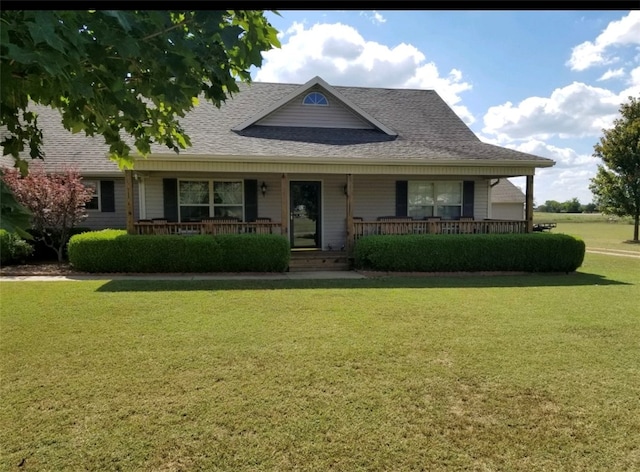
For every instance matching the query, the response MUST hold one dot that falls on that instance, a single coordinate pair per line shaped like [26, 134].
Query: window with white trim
[315, 98]
[199, 199]
[94, 203]
[443, 199]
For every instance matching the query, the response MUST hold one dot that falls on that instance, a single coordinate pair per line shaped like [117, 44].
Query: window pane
[420, 193]
[419, 212]
[449, 212]
[94, 203]
[194, 192]
[231, 211]
[227, 193]
[449, 193]
[193, 213]
[315, 98]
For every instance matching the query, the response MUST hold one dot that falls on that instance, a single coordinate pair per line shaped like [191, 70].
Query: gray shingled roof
[506, 192]
[428, 130]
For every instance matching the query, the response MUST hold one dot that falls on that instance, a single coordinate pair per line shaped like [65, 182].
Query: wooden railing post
[128, 188]
[529, 204]
[284, 201]
[350, 230]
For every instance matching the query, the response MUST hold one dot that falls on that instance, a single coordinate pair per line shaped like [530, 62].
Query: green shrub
[116, 251]
[254, 253]
[470, 252]
[42, 252]
[13, 249]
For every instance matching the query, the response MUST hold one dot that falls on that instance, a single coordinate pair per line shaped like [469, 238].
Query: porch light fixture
[263, 188]
[346, 193]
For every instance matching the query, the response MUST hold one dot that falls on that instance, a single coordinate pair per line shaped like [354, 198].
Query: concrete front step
[318, 260]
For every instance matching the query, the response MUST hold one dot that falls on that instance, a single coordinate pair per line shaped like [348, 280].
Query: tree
[553, 206]
[119, 74]
[15, 217]
[616, 186]
[572, 206]
[116, 73]
[56, 202]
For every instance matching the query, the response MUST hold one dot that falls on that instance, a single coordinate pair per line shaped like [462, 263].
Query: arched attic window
[315, 98]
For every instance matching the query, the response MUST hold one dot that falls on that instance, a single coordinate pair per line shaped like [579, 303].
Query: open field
[524, 373]
[580, 218]
[610, 236]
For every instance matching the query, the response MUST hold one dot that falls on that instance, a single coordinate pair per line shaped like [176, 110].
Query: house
[321, 164]
[507, 201]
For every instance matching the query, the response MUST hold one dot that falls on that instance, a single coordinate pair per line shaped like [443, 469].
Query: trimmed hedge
[115, 251]
[537, 252]
[13, 248]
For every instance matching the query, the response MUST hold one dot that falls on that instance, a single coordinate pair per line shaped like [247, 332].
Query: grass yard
[612, 236]
[501, 373]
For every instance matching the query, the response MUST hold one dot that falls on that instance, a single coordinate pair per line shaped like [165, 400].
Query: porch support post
[284, 201]
[350, 229]
[529, 204]
[128, 189]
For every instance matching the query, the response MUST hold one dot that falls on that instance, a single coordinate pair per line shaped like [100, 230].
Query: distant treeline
[570, 206]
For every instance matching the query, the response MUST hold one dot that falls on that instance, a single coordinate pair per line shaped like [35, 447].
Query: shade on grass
[530, 372]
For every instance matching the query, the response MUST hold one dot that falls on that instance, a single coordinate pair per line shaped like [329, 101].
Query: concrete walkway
[613, 252]
[311, 275]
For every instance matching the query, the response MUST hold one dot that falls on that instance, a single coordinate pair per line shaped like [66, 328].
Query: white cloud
[625, 31]
[612, 74]
[634, 86]
[576, 110]
[564, 157]
[568, 178]
[340, 55]
[374, 16]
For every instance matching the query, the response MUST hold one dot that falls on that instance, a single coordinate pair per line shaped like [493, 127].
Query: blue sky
[544, 82]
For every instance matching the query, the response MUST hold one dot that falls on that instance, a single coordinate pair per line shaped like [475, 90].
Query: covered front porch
[342, 207]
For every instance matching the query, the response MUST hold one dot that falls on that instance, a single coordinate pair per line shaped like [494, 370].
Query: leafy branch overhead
[125, 75]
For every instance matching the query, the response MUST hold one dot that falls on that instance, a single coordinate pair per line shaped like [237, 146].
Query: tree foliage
[15, 217]
[569, 206]
[616, 186]
[127, 76]
[56, 202]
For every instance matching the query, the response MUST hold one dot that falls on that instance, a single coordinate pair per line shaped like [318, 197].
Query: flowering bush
[56, 200]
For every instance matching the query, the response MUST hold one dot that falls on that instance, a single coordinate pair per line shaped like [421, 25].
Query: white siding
[374, 195]
[118, 219]
[480, 200]
[335, 115]
[507, 211]
[268, 206]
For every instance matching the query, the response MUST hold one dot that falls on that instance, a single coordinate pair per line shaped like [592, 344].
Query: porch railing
[207, 227]
[406, 226]
[361, 228]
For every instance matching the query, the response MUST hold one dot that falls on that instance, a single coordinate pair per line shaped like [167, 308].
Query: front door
[305, 224]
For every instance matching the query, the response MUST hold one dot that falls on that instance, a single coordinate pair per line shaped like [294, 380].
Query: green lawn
[499, 373]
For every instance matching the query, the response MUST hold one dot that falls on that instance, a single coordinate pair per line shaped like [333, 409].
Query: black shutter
[170, 197]
[107, 195]
[467, 198]
[250, 200]
[402, 189]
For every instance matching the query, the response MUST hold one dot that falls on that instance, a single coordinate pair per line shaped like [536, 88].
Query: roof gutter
[319, 160]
